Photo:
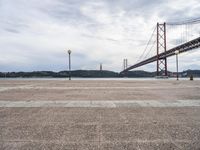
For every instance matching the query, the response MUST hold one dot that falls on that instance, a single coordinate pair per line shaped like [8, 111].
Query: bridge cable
[146, 45]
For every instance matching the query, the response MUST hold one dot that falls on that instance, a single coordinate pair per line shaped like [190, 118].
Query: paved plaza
[99, 115]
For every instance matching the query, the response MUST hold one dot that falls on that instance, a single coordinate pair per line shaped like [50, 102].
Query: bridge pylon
[161, 47]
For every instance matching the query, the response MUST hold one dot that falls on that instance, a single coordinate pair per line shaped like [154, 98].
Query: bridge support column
[161, 47]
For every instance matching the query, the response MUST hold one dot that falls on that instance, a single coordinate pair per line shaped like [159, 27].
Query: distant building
[101, 67]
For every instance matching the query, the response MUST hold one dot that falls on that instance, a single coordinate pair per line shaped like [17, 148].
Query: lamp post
[69, 52]
[177, 52]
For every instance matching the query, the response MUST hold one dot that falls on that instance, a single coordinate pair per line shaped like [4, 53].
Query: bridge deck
[193, 44]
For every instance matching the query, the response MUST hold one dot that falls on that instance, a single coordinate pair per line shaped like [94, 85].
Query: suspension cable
[146, 45]
[150, 49]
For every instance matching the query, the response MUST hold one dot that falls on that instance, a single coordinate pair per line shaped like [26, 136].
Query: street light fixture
[176, 53]
[69, 52]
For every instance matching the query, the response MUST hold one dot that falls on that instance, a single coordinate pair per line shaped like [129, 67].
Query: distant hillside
[92, 74]
[89, 73]
[61, 74]
[187, 73]
[139, 73]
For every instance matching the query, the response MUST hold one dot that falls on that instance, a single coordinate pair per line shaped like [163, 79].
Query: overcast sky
[36, 34]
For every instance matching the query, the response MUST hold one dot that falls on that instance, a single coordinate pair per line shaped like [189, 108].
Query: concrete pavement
[99, 115]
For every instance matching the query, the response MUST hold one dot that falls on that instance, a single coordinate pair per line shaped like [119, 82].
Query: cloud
[35, 34]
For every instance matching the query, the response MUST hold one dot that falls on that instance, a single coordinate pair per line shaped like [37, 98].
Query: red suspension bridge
[188, 34]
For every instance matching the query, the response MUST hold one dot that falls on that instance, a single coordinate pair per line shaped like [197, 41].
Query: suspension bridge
[166, 39]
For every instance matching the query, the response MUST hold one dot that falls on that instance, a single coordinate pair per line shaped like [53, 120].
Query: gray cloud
[11, 30]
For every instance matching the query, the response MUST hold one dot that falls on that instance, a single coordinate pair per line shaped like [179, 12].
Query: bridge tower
[161, 47]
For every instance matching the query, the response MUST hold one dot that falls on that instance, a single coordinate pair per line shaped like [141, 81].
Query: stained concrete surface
[99, 90]
[78, 128]
[99, 128]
